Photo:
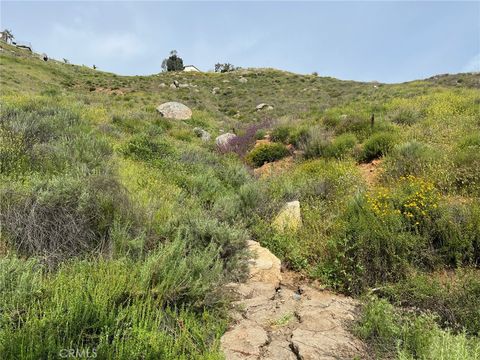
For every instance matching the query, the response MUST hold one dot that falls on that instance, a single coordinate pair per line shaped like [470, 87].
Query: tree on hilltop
[223, 68]
[173, 62]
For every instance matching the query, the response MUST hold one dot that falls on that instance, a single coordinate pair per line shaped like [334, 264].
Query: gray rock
[162, 85]
[175, 82]
[205, 135]
[183, 85]
[215, 90]
[173, 86]
[264, 106]
[224, 139]
[175, 110]
[243, 80]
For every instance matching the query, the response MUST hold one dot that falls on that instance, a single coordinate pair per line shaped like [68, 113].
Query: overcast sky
[384, 41]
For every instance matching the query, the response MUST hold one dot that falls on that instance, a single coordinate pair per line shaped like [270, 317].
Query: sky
[365, 41]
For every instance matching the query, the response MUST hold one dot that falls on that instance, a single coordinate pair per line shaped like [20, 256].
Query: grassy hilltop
[119, 227]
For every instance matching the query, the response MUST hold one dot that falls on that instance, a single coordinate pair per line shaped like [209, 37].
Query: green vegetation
[266, 153]
[406, 336]
[120, 227]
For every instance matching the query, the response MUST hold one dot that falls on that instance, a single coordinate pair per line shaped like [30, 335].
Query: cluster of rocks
[178, 111]
[279, 317]
[177, 85]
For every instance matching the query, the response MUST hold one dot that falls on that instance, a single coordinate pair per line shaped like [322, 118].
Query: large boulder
[224, 139]
[175, 110]
[289, 218]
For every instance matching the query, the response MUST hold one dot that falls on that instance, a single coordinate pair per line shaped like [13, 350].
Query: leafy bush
[455, 298]
[377, 145]
[317, 143]
[63, 217]
[392, 333]
[405, 116]
[467, 176]
[142, 147]
[260, 134]
[411, 158]
[341, 146]
[266, 153]
[120, 308]
[281, 134]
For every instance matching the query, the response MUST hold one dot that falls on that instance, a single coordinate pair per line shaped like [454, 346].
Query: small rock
[162, 85]
[243, 80]
[215, 90]
[226, 81]
[183, 85]
[175, 110]
[176, 83]
[264, 106]
[173, 86]
[205, 135]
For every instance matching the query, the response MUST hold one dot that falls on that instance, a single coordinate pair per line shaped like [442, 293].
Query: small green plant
[377, 146]
[281, 134]
[265, 153]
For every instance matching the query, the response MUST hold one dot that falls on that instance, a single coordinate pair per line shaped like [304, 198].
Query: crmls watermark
[78, 353]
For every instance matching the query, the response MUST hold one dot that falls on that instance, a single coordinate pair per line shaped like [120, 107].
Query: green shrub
[379, 325]
[298, 136]
[467, 177]
[377, 145]
[63, 217]
[260, 134]
[454, 299]
[163, 306]
[142, 147]
[395, 334]
[317, 143]
[405, 116]
[341, 146]
[265, 153]
[411, 158]
[281, 134]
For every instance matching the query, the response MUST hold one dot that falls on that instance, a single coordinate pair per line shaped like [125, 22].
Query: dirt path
[276, 318]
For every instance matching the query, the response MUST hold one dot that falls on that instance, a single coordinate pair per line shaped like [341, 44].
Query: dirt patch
[110, 91]
[371, 171]
[282, 316]
[273, 168]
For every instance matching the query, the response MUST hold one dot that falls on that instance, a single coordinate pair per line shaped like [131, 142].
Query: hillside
[120, 229]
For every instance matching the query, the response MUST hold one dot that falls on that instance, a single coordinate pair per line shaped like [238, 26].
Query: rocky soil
[277, 316]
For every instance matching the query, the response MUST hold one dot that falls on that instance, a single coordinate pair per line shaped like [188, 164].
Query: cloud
[473, 64]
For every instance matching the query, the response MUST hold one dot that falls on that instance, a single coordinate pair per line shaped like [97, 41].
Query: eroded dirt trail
[276, 318]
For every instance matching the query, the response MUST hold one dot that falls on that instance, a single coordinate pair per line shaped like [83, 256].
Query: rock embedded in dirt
[175, 110]
[272, 324]
[289, 218]
[199, 132]
[224, 139]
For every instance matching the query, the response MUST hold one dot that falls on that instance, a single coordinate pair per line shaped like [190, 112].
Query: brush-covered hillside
[120, 227]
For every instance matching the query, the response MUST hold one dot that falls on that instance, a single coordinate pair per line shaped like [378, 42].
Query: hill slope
[120, 228]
